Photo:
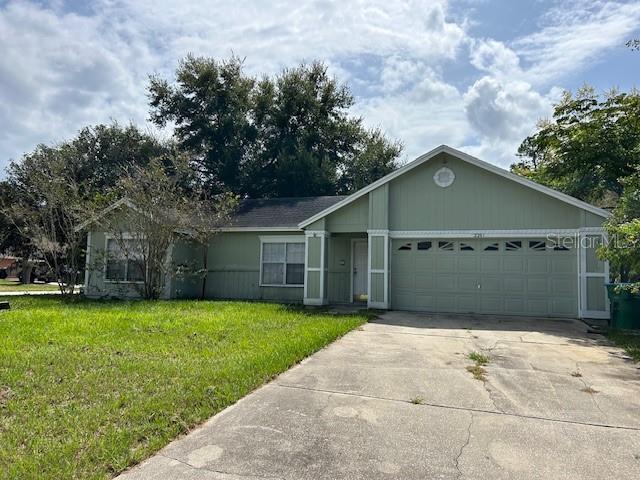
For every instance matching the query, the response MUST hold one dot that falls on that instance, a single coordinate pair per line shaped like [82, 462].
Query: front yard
[10, 285]
[88, 388]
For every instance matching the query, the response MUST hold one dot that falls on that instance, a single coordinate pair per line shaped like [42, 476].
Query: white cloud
[60, 71]
[576, 33]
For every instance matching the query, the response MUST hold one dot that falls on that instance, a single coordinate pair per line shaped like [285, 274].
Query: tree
[210, 107]
[46, 210]
[623, 247]
[156, 211]
[590, 145]
[290, 135]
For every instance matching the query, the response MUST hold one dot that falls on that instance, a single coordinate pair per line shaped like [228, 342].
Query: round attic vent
[444, 177]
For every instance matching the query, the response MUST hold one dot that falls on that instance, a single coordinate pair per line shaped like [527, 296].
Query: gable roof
[278, 213]
[469, 159]
[282, 214]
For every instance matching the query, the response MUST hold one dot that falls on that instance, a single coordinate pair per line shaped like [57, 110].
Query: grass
[417, 400]
[88, 388]
[479, 358]
[477, 370]
[629, 341]
[7, 285]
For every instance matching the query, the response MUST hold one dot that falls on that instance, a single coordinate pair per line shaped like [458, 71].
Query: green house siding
[351, 218]
[97, 286]
[234, 269]
[477, 199]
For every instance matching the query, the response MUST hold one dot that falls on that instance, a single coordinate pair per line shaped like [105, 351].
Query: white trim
[113, 206]
[317, 233]
[323, 245]
[583, 275]
[123, 236]
[306, 267]
[87, 262]
[469, 159]
[387, 273]
[314, 301]
[368, 271]
[281, 238]
[529, 233]
[378, 305]
[284, 239]
[351, 273]
[259, 229]
[384, 234]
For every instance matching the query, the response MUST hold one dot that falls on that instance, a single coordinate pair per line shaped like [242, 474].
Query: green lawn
[7, 285]
[88, 388]
[628, 341]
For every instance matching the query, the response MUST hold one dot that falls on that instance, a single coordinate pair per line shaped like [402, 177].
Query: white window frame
[124, 236]
[283, 239]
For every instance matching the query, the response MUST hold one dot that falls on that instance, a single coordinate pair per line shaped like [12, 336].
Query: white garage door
[508, 276]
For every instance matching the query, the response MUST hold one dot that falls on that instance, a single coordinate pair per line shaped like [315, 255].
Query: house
[444, 233]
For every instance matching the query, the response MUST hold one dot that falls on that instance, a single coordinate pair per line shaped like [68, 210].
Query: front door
[360, 252]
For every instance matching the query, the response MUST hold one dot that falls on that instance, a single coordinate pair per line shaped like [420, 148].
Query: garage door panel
[446, 303]
[522, 279]
[537, 286]
[537, 265]
[514, 305]
[491, 284]
[467, 303]
[467, 283]
[445, 263]
[467, 263]
[537, 306]
[513, 264]
[425, 302]
[562, 286]
[563, 265]
[490, 263]
[513, 284]
[447, 283]
[491, 304]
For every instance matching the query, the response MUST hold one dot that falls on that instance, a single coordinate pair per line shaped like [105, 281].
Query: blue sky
[475, 74]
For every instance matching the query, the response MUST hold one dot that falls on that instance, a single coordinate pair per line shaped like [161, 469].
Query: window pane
[115, 269]
[295, 253]
[272, 273]
[425, 245]
[135, 271]
[272, 252]
[295, 273]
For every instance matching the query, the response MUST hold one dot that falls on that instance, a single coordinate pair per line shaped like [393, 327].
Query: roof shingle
[280, 212]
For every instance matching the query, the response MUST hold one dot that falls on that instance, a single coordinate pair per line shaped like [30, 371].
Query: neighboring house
[444, 233]
[10, 265]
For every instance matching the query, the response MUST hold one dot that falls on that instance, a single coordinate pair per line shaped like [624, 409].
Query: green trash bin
[625, 307]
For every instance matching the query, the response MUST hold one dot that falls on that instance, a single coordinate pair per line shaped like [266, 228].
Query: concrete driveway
[557, 403]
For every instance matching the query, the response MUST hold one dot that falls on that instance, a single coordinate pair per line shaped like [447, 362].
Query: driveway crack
[456, 460]
[220, 472]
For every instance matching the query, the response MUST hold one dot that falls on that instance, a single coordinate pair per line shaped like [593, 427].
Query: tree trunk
[27, 269]
[205, 269]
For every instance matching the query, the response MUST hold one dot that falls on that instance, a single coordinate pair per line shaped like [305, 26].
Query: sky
[477, 75]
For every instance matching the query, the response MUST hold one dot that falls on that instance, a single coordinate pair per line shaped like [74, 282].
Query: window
[282, 263]
[513, 246]
[426, 245]
[561, 248]
[123, 261]
[492, 247]
[465, 247]
[537, 245]
[406, 246]
[447, 246]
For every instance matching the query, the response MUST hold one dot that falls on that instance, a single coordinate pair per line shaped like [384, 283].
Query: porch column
[315, 267]
[378, 277]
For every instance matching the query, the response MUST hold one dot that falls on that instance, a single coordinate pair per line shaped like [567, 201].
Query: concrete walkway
[556, 404]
